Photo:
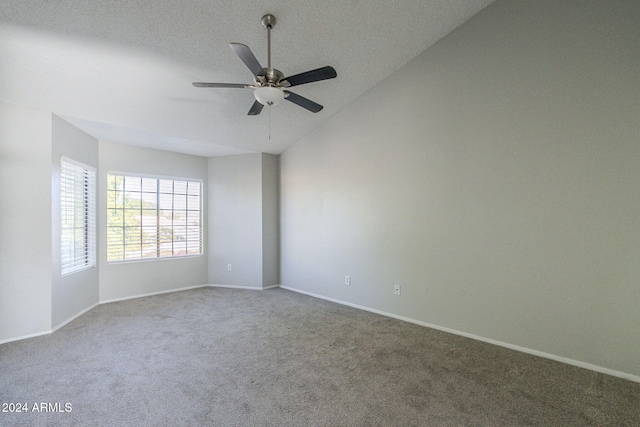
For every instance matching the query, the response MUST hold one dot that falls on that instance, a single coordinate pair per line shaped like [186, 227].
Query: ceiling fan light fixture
[269, 95]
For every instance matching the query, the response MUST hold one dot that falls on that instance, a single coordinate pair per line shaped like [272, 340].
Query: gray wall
[130, 279]
[72, 294]
[495, 177]
[243, 220]
[25, 221]
[270, 220]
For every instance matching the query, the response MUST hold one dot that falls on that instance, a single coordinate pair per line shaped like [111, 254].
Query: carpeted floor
[225, 357]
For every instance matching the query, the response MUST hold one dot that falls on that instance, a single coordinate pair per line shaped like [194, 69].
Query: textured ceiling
[122, 70]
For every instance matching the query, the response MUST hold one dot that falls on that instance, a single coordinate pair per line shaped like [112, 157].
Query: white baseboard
[86, 310]
[50, 331]
[152, 294]
[71, 319]
[252, 288]
[24, 337]
[578, 363]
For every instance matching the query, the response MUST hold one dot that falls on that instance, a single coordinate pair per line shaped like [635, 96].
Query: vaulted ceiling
[122, 70]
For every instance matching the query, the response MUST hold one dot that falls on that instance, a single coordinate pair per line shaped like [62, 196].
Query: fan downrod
[268, 21]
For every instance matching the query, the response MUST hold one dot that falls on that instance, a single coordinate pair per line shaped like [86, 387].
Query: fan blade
[223, 85]
[323, 73]
[229, 85]
[247, 57]
[255, 109]
[303, 102]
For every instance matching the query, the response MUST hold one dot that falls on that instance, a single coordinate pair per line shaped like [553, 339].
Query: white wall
[495, 177]
[243, 220]
[25, 221]
[130, 279]
[77, 292]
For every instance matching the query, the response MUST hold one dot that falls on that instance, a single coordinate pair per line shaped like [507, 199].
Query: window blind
[78, 218]
[153, 217]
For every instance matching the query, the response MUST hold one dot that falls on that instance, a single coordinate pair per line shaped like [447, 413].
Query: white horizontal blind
[78, 218]
[149, 217]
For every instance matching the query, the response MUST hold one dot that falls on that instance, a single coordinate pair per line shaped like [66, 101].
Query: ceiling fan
[270, 85]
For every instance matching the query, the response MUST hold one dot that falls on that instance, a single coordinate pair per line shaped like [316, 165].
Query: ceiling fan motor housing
[271, 76]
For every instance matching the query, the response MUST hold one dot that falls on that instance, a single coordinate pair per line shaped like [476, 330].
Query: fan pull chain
[269, 122]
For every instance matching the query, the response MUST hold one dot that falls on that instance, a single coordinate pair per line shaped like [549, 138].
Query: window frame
[157, 242]
[76, 263]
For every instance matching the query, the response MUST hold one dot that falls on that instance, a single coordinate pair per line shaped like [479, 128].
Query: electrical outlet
[228, 267]
[396, 289]
[347, 280]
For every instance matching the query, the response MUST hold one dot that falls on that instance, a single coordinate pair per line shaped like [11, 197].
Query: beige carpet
[225, 357]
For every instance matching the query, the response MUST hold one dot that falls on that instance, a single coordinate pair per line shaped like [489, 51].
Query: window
[150, 217]
[78, 216]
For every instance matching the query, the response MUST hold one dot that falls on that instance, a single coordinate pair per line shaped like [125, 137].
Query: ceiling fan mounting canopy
[268, 21]
[270, 83]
